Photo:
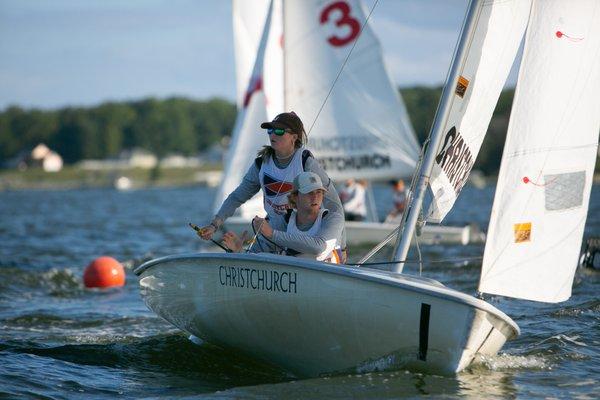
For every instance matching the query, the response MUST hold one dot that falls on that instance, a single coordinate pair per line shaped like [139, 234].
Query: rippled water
[58, 340]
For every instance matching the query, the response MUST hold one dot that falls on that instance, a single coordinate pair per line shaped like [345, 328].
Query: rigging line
[329, 93]
[413, 186]
[255, 238]
[342, 67]
[449, 260]
[381, 244]
[277, 247]
[419, 252]
[393, 234]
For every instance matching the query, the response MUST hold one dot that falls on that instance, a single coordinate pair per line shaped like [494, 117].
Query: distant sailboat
[362, 131]
[312, 317]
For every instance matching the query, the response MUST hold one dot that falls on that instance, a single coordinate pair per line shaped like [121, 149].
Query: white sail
[493, 45]
[248, 25]
[247, 137]
[363, 130]
[544, 185]
[274, 64]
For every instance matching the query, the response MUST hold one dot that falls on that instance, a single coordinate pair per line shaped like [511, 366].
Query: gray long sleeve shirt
[332, 226]
[250, 185]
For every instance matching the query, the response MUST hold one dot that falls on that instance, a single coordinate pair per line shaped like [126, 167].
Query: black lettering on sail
[455, 159]
[442, 157]
[456, 154]
[346, 163]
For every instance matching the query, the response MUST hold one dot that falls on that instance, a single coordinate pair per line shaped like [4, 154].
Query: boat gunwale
[427, 286]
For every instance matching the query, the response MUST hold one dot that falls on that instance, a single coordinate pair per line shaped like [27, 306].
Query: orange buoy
[104, 272]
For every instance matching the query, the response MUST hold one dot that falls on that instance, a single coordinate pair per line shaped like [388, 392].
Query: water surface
[59, 340]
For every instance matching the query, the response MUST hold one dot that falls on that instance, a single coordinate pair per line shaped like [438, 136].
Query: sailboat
[362, 131]
[313, 318]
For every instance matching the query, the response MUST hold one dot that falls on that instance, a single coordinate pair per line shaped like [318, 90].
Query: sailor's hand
[233, 242]
[262, 225]
[206, 232]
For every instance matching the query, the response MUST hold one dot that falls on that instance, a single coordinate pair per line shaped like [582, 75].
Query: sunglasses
[277, 131]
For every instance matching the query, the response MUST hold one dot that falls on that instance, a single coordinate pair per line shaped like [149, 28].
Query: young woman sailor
[273, 171]
[312, 231]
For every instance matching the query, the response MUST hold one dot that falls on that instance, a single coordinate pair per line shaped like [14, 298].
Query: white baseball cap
[306, 182]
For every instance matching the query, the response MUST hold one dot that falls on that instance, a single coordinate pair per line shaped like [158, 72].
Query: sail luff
[411, 216]
[274, 63]
[284, 56]
[245, 142]
[248, 25]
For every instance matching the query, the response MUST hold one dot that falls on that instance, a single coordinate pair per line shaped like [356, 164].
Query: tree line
[179, 125]
[175, 125]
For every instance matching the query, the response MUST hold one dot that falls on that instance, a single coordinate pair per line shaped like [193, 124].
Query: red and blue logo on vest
[275, 187]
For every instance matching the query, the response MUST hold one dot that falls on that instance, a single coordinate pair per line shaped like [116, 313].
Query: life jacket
[354, 199]
[333, 252]
[277, 183]
[305, 154]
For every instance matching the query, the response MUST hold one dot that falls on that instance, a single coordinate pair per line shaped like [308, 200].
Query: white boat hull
[363, 233]
[313, 318]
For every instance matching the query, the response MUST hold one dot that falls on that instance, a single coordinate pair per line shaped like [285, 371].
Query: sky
[57, 53]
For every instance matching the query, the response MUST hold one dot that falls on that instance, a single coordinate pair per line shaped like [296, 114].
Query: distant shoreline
[137, 178]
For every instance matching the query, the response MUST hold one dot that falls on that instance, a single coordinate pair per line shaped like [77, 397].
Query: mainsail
[363, 130]
[493, 45]
[543, 191]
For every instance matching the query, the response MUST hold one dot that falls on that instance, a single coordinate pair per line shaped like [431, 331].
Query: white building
[43, 157]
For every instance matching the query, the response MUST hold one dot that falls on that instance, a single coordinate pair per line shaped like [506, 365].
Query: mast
[283, 46]
[407, 230]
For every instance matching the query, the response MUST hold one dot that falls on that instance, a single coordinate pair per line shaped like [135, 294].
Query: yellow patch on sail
[522, 232]
[461, 86]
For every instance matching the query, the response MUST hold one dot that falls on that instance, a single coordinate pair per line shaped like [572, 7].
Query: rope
[450, 260]
[419, 251]
[400, 227]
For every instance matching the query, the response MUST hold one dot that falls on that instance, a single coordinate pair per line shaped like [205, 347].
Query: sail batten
[542, 197]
